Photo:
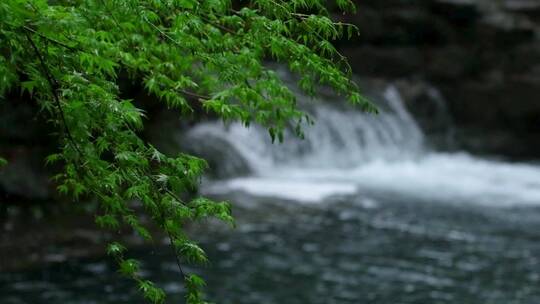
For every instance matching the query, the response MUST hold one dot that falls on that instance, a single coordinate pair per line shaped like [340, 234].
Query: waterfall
[348, 152]
[340, 138]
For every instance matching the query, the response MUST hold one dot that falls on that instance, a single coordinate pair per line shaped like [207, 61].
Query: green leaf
[191, 251]
[195, 281]
[153, 294]
[108, 221]
[187, 4]
[129, 267]
[53, 158]
[115, 249]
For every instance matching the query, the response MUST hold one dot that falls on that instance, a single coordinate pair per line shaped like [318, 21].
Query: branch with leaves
[67, 56]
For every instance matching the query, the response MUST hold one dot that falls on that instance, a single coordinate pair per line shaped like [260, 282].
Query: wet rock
[527, 7]
[483, 55]
[393, 62]
[457, 12]
[25, 141]
[24, 177]
[498, 117]
[430, 111]
[223, 159]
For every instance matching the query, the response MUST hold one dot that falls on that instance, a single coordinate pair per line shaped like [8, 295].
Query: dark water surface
[372, 249]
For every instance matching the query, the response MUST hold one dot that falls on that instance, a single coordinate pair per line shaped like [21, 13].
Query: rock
[529, 8]
[25, 141]
[483, 55]
[506, 114]
[430, 110]
[24, 177]
[522, 6]
[448, 63]
[461, 13]
[222, 159]
[394, 62]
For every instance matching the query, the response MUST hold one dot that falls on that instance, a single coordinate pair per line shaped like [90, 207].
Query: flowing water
[361, 211]
[346, 151]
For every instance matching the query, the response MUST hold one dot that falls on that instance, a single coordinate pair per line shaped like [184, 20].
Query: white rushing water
[348, 152]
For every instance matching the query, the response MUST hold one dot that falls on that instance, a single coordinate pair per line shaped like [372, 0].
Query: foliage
[68, 56]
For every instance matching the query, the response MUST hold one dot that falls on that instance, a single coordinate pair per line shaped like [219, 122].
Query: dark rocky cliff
[483, 55]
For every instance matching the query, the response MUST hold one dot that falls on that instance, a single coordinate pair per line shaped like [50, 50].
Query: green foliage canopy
[68, 55]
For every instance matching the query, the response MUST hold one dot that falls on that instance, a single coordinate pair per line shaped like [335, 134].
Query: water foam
[452, 178]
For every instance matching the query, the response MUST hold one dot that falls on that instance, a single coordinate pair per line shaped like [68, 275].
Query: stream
[361, 211]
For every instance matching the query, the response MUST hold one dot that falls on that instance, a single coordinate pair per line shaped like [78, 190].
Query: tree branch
[54, 87]
[52, 40]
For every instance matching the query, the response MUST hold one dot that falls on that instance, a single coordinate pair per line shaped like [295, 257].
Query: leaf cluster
[68, 54]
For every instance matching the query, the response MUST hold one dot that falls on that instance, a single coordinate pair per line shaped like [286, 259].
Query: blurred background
[434, 200]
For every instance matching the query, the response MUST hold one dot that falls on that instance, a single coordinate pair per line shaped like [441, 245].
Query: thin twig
[224, 28]
[116, 23]
[178, 262]
[169, 235]
[52, 40]
[167, 36]
[192, 94]
[171, 239]
[54, 87]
